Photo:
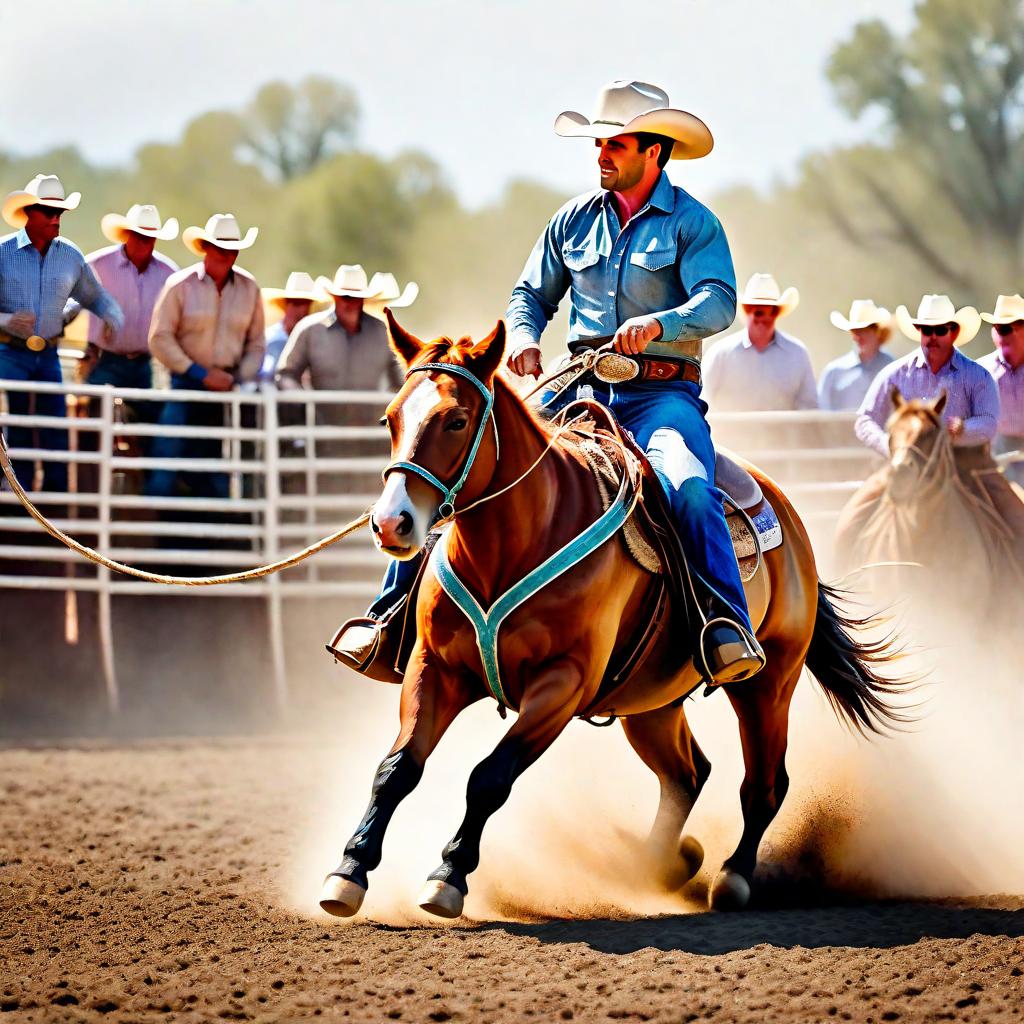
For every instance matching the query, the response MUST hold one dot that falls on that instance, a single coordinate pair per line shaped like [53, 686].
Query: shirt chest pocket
[654, 259]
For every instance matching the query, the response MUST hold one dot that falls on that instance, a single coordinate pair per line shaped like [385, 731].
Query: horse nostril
[374, 525]
[404, 525]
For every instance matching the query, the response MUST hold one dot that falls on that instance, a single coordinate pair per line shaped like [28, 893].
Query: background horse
[514, 512]
[946, 509]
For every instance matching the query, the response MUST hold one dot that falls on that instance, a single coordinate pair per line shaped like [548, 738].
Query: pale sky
[475, 83]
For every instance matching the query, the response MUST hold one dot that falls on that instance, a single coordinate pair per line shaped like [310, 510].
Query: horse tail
[848, 669]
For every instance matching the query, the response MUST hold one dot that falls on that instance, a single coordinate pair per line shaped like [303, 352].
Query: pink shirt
[135, 293]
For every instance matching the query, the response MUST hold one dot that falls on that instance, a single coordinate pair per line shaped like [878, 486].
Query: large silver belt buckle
[614, 368]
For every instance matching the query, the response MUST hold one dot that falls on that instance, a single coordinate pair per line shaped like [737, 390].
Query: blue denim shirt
[671, 260]
[44, 284]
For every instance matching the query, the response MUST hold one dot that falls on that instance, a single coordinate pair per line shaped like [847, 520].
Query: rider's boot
[372, 644]
[730, 652]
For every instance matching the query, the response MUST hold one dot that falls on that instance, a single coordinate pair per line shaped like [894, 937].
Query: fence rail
[295, 472]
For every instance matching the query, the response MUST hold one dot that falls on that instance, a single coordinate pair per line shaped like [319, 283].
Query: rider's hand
[218, 380]
[527, 363]
[636, 334]
[955, 426]
[22, 323]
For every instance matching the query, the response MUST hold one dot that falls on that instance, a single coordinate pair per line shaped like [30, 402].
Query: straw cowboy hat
[863, 313]
[935, 310]
[140, 220]
[221, 230]
[389, 293]
[298, 286]
[763, 290]
[45, 189]
[625, 107]
[1009, 309]
[349, 280]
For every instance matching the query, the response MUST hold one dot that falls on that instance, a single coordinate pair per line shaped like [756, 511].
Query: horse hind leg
[763, 712]
[665, 744]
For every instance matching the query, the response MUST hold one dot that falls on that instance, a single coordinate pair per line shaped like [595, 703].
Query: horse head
[914, 428]
[438, 422]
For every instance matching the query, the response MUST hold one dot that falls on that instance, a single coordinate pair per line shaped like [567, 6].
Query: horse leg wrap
[397, 776]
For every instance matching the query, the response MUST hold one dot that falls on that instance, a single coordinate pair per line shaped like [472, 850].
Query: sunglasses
[938, 330]
[1005, 329]
[50, 212]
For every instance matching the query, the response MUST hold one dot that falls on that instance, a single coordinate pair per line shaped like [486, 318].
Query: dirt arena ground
[158, 881]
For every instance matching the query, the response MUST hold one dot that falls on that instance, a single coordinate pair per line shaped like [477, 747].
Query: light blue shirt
[845, 381]
[44, 283]
[671, 260]
[277, 338]
[971, 395]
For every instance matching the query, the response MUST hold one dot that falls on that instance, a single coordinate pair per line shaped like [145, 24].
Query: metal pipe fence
[298, 464]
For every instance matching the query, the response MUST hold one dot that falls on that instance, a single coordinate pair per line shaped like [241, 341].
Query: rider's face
[621, 162]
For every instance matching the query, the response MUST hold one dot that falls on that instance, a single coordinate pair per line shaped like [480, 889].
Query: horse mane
[445, 350]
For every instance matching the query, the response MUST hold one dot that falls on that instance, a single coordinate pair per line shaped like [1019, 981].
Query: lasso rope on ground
[153, 577]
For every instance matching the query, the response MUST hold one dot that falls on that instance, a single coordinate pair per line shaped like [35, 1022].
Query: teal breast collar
[486, 624]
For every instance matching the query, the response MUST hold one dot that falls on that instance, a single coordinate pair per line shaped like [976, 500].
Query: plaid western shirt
[43, 283]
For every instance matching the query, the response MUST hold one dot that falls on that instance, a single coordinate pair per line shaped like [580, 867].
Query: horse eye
[458, 424]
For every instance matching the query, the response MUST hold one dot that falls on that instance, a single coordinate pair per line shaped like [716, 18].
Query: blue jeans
[163, 483]
[668, 421]
[20, 364]
[122, 372]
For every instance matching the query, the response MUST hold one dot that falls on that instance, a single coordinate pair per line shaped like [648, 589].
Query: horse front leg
[549, 704]
[431, 700]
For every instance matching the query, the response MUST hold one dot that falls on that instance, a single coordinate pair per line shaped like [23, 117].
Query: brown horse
[553, 650]
[945, 510]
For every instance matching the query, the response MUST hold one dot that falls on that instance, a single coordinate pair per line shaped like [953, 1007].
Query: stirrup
[364, 645]
[736, 659]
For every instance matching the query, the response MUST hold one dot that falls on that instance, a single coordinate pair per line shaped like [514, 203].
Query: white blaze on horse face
[393, 502]
[670, 456]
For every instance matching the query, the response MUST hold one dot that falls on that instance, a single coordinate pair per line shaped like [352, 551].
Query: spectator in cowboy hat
[294, 301]
[845, 381]
[1006, 365]
[344, 348]
[971, 407]
[134, 273]
[208, 331]
[39, 272]
[760, 367]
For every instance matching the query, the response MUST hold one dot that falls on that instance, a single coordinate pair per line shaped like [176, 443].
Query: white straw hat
[935, 310]
[1009, 308]
[389, 293]
[299, 286]
[863, 313]
[45, 189]
[140, 220]
[626, 107]
[221, 230]
[349, 280]
[763, 290]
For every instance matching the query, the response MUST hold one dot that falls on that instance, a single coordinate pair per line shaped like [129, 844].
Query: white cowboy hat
[863, 313]
[140, 220]
[45, 189]
[221, 230]
[935, 310]
[625, 107]
[388, 292]
[1009, 308]
[298, 286]
[349, 280]
[763, 290]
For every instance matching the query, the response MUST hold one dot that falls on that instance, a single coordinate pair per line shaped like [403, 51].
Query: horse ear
[898, 401]
[939, 403]
[485, 356]
[406, 346]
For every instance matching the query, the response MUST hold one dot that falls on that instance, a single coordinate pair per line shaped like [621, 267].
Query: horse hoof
[441, 899]
[341, 897]
[731, 891]
[691, 853]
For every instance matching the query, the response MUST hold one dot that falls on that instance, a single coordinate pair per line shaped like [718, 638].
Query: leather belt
[33, 343]
[615, 368]
[106, 354]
